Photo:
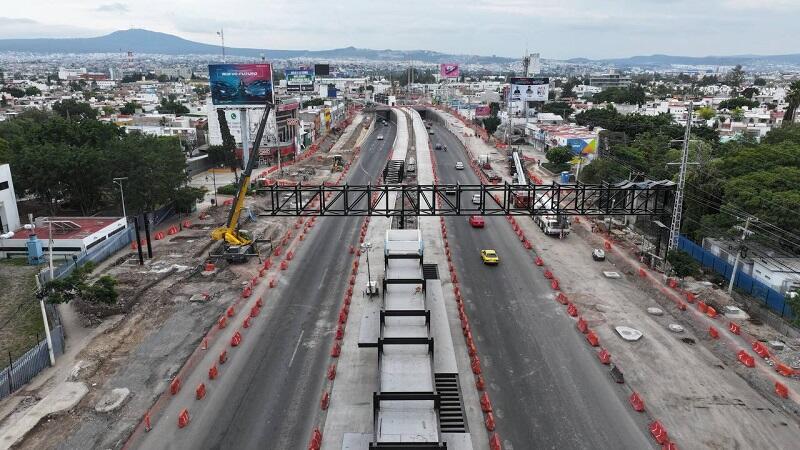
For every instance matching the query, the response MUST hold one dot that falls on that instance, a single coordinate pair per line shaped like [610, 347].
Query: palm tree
[793, 97]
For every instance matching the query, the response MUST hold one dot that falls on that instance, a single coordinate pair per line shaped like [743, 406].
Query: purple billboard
[449, 71]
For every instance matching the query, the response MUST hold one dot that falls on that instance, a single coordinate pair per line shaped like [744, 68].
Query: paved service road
[547, 387]
[272, 399]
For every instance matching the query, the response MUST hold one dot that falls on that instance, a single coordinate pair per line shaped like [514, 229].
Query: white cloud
[113, 8]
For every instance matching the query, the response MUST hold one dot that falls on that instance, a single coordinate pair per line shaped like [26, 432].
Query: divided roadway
[547, 387]
[272, 401]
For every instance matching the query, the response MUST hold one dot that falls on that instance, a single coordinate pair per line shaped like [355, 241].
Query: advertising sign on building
[240, 84]
[322, 70]
[483, 111]
[530, 89]
[299, 80]
[449, 71]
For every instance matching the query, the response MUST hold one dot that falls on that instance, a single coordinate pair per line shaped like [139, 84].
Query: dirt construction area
[166, 307]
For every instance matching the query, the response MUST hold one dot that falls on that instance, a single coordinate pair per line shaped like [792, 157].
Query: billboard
[530, 89]
[449, 71]
[483, 111]
[299, 80]
[240, 84]
[322, 70]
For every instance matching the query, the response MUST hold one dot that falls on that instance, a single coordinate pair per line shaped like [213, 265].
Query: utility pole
[41, 299]
[118, 181]
[221, 34]
[739, 253]
[677, 208]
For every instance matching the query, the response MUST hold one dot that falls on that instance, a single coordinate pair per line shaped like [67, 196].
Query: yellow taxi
[490, 257]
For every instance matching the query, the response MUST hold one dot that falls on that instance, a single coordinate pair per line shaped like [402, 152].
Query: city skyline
[573, 28]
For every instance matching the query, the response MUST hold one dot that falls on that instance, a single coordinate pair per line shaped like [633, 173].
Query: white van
[412, 165]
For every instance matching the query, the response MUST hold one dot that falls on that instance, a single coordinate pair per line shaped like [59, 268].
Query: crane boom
[519, 178]
[230, 232]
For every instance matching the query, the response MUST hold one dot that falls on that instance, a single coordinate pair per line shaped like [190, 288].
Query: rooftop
[67, 227]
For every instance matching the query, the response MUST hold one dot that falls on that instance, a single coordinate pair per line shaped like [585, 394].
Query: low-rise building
[9, 215]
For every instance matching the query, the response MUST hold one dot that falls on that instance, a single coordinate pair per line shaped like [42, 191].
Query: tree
[759, 82]
[32, 91]
[170, 106]
[735, 77]
[130, 108]
[202, 91]
[706, 112]
[563, 109]
[14, 91]
[491, 124]
[683, 264]
[75, 285]
[737, 115]
[793, 99]
[72, 109]
[737, 102]
[750, 92]
[559, 155]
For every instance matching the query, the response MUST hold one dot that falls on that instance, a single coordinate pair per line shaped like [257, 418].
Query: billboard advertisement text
[240, 84]
[530, 89]
[299, 80]
[449, 71]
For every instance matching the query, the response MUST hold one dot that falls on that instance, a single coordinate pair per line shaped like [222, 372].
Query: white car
[459, 165]
[380, 137]
[476, 199]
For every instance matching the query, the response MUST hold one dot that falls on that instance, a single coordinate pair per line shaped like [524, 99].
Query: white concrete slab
[356, 441]
[407, 422]
[444, 355]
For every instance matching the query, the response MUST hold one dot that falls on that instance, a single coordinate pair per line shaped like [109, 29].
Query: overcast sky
[554, 28]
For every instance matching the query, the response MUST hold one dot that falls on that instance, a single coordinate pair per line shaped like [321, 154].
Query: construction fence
[771, 298]
[21, 371]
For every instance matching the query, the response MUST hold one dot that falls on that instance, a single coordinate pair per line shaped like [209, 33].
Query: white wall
[9, 215]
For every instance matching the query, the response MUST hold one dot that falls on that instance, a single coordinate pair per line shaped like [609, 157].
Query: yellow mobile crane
[237, 245]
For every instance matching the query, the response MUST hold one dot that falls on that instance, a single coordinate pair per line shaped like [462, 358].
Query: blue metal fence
[772, 299]
[33, 361]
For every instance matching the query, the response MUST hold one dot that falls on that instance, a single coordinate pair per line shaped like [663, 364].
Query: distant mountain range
[144, 41]
[668, 60]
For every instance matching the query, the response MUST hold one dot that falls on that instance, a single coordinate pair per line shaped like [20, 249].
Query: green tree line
[72, 159]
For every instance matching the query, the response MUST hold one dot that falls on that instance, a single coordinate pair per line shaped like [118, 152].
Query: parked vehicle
[412, 165]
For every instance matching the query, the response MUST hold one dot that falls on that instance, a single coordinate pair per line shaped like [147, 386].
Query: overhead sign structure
[240, 84]
[299, 80]
[449, 70]
[530, 89]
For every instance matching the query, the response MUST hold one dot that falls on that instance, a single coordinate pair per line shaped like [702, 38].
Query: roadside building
[9, 215]
[607, 80]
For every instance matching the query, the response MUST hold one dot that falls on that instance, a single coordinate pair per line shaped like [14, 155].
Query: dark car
[224, 91]
[258, 89]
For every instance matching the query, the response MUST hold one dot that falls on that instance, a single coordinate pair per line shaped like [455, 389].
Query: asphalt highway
[547, 387]
[270, 398]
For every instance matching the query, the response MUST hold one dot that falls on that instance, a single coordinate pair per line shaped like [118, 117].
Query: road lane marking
[296, 346]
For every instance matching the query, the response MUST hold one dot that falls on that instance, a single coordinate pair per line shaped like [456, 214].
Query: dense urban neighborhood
[205, 246]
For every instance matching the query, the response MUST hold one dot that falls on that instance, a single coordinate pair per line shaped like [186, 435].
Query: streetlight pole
[365, 247]
[50, 242]
[118, 181]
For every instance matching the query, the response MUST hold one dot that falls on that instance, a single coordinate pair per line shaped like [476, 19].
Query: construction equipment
[238, 244]
[338, 163]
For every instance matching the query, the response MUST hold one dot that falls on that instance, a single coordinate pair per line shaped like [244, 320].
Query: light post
[366, 247]
[118, 181]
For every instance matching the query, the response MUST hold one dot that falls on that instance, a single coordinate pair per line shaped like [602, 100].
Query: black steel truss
[456, 200]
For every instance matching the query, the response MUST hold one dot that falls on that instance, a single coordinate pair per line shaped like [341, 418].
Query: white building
[781, 274]
[9, 215]
[70, 74]
[71, 235]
